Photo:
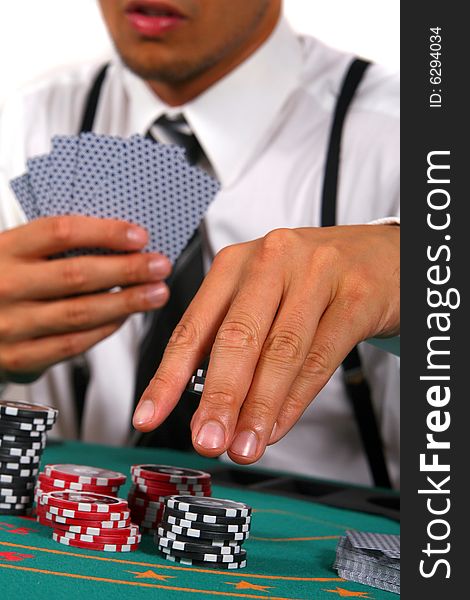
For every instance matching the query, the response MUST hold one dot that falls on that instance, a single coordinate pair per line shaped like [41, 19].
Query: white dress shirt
[264, 128]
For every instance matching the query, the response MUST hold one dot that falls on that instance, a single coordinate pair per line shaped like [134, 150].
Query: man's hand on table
[277, 315]
[51, 310]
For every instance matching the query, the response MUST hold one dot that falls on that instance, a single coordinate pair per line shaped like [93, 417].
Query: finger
[71, 276]
[189, 344]
[234, 357]
[281, 360]
[50, 235]
[26, 321]
[39, 354]
[339, 330]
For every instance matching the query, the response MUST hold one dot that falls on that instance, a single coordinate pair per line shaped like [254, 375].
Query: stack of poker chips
[370, 558]
[79, 478]
[152, 484]
[204, 532]
[23, 435]
[90, 521]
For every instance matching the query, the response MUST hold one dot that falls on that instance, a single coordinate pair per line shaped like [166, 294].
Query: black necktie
[184, 282]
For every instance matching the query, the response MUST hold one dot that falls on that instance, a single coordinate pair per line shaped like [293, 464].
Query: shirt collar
[231, 124]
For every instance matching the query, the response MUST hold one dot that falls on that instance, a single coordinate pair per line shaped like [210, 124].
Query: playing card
[134, 179]
[22, 189]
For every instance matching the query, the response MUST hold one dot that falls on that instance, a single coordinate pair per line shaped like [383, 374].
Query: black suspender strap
[80, 375]
[358, 389]
[92, 100]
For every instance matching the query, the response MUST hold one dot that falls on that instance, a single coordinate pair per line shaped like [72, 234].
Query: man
[283, 302]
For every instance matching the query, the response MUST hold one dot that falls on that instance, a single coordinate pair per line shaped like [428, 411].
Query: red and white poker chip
[130, 531]
[52, 519]
[75, 514]
[84, 501]
[94, 546]
[170, 474]
[64, 484]
[100, 539]
[85, 474]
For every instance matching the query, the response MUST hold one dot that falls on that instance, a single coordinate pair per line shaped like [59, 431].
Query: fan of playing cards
[134, 179]
[370, 558]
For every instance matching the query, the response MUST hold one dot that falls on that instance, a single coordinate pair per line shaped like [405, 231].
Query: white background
[37, 36]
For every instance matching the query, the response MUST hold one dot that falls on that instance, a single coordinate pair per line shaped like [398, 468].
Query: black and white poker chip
[197, 381]
[192, 532]
[205, 556]
[199, 563]
[209, 506]
[206, 527]
[195, 546]
[25, 411]
[202, 518]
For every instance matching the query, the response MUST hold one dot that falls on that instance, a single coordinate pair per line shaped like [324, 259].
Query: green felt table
[290, 551]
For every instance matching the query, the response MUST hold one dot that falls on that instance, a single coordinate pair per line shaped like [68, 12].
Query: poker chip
[169, 474]
[142, 485]
[214, 527]
[85, 474]
[213, 506]
[100, 539]
[130, 531]
[199, 563]
[63, 484]
[195, 546]
[192, 532]
[24, 510]
[84, 501]
[51, 519]
[75, 514]
[15, 499]
[19, 433]
[202, 518]
[9, 476]
[22, 410]
[9, 442]
[94, 545]
[197, 381]
[19, 460]
[12, 451]
[205, 557]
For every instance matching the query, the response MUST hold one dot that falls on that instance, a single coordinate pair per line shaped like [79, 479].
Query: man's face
[175, 41]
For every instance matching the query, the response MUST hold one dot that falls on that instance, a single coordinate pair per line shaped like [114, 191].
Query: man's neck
[183, 92]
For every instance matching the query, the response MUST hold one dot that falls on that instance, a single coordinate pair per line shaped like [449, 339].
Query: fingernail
[144, 413]
[245, 444]
[273, 433]
[159, 266]
[136, 235]
[211, 435]
[156, 293]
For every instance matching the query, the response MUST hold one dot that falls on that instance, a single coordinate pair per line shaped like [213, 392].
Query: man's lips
[153, 18]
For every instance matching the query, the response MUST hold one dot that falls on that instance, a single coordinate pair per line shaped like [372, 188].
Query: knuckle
[60, 229]
[325, 257]
[7, 288]
[220, 400]
[10, 360]
[77, 314]
[278, 242]
[70, 345]
[318, 364]
[185, 335]
[284, 345]
[73, 274]
[132, 269]
[6, 328]
[242, 332]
